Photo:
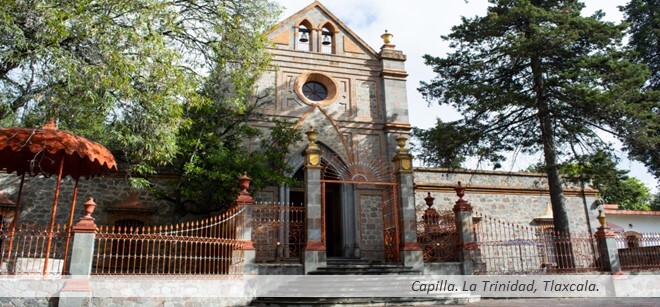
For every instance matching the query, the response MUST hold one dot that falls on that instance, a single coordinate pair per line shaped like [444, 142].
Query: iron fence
[24, 249]
[278, 231]
[639, 251]
[437, 236]
[509, 248]
[208, 246]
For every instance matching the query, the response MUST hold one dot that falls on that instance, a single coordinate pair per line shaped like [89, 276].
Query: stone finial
[602, 219]
[402, 158]
[429, 200]
[244, 196]
[387, 38]
[312, 136]
[460, 190]
[313, 152]
[86, 223]
[89, 207]
[244, 182]
[461, 204]
[401, 142]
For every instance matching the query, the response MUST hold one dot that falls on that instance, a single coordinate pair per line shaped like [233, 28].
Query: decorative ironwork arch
[370, 169]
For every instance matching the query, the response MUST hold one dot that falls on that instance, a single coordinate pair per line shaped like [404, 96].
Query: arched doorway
[359, 208]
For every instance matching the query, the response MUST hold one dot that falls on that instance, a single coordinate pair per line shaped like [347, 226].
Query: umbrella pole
[68, 229]
[52, 216]
[12, 232]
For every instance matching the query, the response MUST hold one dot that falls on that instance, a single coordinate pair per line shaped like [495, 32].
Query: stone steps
[362, 301]
[363, 267]
[353, 293]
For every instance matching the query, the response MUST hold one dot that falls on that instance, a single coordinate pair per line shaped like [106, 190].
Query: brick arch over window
[304, 29]
[328, 35]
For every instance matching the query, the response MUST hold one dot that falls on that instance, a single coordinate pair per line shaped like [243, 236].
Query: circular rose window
[316, 89]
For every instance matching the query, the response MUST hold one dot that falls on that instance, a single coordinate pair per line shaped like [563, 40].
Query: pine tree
[535, 75]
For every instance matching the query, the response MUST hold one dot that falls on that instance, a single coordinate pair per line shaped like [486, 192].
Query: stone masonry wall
[371, 225]
[38, 194]
[513, 197]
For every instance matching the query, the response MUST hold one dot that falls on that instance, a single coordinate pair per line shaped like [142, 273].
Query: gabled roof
[333, 18]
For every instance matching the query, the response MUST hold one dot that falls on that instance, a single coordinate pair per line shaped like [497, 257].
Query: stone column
[394, 96]
[467, 249]
[609, 252]
[245, 202]
[77, 289]
[410, 252]
[314, 255]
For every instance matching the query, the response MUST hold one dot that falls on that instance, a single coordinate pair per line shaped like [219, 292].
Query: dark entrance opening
[297, 189]
[333, 220]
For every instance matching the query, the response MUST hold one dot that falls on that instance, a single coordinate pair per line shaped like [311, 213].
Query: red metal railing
[278, 231]
[437, 236]
[209, 246]
[24, 249]
[639, 251]
[509, 248]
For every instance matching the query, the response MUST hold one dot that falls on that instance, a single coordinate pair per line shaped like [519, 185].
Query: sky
[417, 26]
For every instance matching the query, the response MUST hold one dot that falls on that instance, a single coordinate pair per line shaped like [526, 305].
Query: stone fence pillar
[410, 252]
[314, 255]
[606, 241]
[467, 249]
[245, 202]
[77, 289]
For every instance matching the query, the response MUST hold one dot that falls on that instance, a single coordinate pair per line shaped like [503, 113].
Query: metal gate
[376, 175]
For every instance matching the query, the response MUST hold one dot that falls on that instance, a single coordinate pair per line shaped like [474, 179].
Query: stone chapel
[354, 96]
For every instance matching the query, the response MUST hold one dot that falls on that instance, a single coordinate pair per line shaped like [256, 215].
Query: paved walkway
[565, 302]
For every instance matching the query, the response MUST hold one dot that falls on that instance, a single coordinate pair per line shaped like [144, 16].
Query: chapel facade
[325, 76]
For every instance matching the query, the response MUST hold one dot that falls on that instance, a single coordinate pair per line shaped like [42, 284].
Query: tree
[448, 144]
[655, 203]
[123, 73]
[167, 85]
[641, 136]
[644, 19]
[534, 76]
[615, 186]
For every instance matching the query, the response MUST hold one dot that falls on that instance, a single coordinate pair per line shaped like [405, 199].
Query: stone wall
[38, 194]
[371, 225]
[509, 196]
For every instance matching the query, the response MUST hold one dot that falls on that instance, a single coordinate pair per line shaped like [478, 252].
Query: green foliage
[536, 76]
[448, 144]
[644, 19]
[640, 133]
[123, 72]
[614, 185]
[213, 154]
[167, 85]
[655, 202]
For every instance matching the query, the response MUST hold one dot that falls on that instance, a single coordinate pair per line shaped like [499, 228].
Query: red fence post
[467, 249]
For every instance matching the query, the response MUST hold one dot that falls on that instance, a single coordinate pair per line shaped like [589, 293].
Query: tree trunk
[560, 216]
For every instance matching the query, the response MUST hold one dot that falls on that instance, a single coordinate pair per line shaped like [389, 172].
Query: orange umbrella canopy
[39, 151]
